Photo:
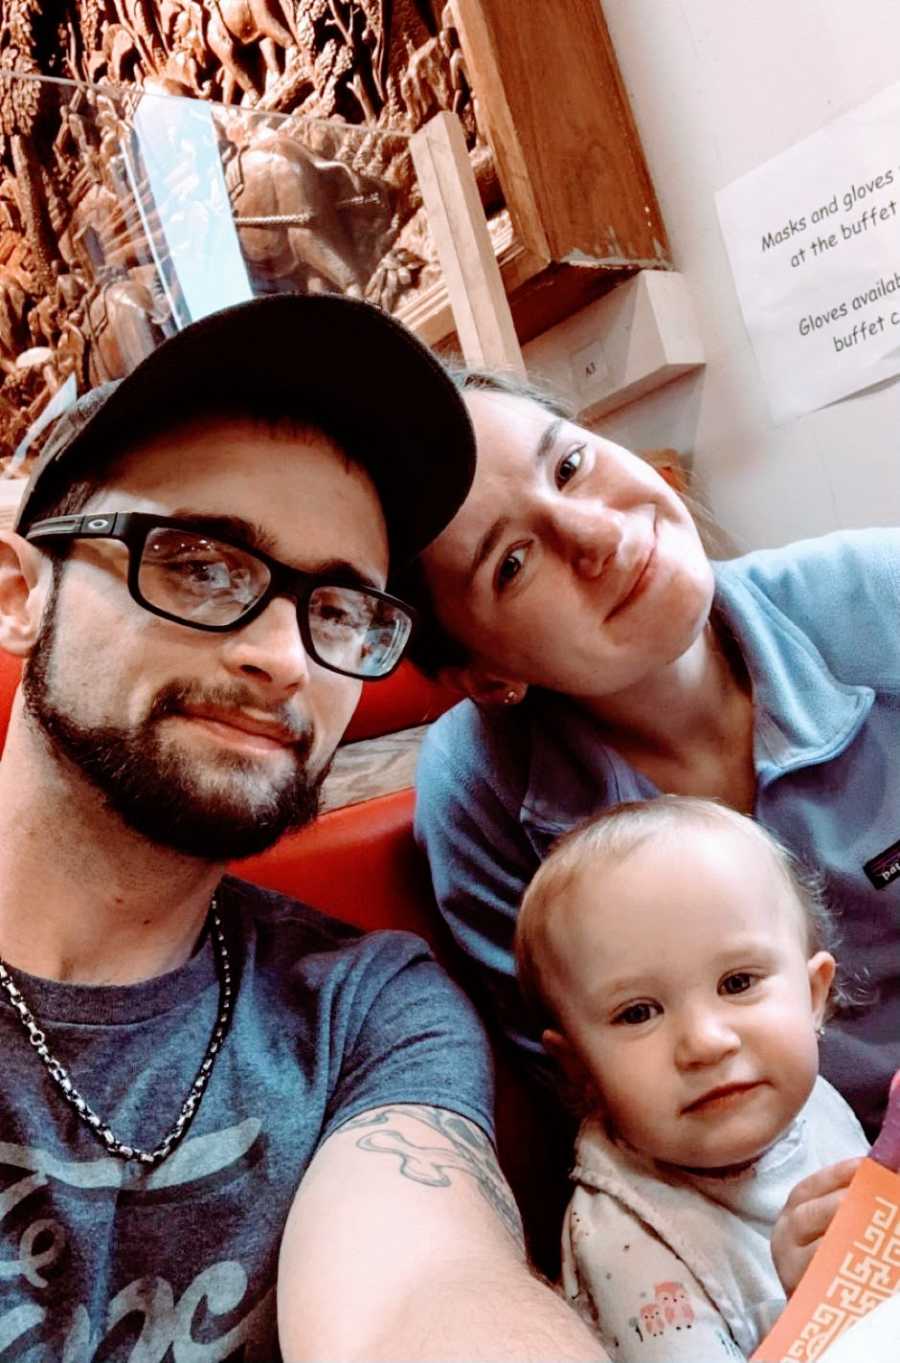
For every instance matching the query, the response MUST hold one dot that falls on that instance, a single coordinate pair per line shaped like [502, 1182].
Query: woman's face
[572, 564]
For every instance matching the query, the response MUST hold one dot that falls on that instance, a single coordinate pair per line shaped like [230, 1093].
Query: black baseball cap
[337, 362]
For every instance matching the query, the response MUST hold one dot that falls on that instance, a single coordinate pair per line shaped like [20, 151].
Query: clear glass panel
[130, 214]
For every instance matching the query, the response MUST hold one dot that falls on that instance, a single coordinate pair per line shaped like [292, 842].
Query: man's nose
[270, 650]
[587, 532]
[705, 1036]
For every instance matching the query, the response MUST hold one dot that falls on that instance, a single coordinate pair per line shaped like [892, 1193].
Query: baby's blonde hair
[613, 835]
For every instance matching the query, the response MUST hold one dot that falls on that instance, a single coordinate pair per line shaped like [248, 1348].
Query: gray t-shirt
[102, 1261]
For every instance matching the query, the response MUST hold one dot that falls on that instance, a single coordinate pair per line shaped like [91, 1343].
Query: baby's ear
[580, 1092]
[562, 1051]
[820, 969]
[555, 1044]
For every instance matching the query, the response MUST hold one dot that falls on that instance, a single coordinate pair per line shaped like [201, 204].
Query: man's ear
[820, 968]
[484, 687]
[22, 593]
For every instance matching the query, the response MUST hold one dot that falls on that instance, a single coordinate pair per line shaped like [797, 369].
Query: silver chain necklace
[60, 1074]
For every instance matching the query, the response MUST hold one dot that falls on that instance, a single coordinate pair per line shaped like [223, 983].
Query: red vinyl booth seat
[359, 864]
[10, 669]
[401, 701]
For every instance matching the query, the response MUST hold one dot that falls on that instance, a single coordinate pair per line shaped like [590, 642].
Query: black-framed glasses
[183, 573]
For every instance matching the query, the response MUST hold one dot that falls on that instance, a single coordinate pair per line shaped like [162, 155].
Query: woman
[607, 659]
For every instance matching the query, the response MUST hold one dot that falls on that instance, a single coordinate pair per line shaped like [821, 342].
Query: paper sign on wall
[813, 238]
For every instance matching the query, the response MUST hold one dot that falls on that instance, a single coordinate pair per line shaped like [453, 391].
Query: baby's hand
[806, 1217]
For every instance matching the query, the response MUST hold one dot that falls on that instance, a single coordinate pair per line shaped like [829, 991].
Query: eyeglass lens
[203, 581]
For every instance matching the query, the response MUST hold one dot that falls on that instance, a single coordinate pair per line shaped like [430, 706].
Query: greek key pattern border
[869, 1273]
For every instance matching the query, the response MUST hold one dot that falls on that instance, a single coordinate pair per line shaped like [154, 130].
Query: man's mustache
[177, 697]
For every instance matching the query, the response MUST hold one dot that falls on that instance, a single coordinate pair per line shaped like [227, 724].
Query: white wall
[717, 88]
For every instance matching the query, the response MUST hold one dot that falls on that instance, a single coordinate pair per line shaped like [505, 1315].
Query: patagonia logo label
[884, 868]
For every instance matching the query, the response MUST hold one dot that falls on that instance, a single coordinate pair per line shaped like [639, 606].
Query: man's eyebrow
[250, 535]
[341, 571]
[489, 540]
[233, 528]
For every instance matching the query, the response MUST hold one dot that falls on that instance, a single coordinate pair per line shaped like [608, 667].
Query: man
[205, 1086]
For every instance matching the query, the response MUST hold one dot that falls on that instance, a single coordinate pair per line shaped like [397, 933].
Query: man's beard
[154, 789]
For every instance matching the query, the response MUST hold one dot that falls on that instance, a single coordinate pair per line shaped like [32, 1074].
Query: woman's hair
[432, 647]
[470, 380]
[613, 835]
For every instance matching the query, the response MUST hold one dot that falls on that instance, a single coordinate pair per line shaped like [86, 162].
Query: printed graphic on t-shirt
[57, 1278]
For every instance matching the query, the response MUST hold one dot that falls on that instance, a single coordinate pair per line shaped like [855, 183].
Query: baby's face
[685, 990]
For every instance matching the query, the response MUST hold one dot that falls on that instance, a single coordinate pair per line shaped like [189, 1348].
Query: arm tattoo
[468, 1149]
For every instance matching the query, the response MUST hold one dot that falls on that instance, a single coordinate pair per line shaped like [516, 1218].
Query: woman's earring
[511, 697]
[820, 1030]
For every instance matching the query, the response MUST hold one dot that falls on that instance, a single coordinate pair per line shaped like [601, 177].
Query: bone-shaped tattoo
[422, 1163]
[429, 1165]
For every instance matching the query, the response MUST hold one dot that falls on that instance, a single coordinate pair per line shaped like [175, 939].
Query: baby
[679, 960]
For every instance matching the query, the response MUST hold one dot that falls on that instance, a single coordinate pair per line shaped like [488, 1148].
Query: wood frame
[472, 284]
